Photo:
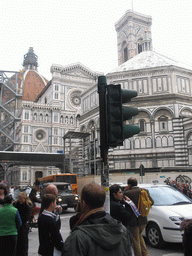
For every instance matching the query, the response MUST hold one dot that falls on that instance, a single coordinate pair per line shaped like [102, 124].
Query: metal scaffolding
[10, 108]
[77, 152]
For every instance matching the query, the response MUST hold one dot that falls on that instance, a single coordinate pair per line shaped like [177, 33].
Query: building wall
[55, 112]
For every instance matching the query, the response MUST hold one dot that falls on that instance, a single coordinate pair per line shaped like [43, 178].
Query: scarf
[85, 215]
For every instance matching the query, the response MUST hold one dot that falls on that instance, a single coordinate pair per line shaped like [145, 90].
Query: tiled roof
[149, 59]
[33, 84]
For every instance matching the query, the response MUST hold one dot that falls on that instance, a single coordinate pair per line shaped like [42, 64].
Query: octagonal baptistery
[164, 88]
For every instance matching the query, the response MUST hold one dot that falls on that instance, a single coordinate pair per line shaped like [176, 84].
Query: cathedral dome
[32, 82]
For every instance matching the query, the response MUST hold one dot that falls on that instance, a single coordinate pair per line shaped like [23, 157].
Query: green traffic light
[127, 95]
[130, 130]
[128, 112]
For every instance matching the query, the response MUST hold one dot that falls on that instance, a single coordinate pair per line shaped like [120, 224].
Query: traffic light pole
[103, 139]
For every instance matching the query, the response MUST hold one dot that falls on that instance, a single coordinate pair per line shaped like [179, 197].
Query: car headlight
[59, 199]
[177, 220]
[76, 197]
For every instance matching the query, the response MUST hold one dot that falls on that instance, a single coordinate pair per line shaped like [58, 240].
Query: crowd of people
[14, 218]
[182, 187]
[93, 231]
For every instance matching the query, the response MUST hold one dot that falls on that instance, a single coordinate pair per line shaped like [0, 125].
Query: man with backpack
[137, 224]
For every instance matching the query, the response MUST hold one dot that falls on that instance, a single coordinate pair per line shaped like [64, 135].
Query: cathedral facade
[49, 114]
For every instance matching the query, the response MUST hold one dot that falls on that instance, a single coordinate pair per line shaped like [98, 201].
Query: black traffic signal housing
[117, 130]
[142, 170]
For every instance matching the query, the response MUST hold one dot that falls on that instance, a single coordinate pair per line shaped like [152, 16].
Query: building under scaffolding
[10, 108]
[80, 154]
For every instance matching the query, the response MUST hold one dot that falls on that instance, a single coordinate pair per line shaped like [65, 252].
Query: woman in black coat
[24, 206]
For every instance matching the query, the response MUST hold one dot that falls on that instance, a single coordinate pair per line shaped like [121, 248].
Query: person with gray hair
[96, 232]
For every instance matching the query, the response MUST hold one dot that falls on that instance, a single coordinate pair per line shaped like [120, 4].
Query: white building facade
[55, 111]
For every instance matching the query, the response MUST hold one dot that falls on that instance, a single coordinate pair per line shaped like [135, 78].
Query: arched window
[164, 142]
[142, 125]
[127, 144]
[139, 48]
[35, 117]
[137, 143]
[46, 118]
[158, 142]
[148, 142]
[143, 143]
[125, 54]
[24, 175]
[41, 117]
[170, 141]
[45, 100]
[71, 120]
[66, 119]
[163, 124]
[61, 119]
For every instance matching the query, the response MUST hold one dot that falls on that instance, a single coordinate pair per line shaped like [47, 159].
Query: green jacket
[99, 235]
[10, 220]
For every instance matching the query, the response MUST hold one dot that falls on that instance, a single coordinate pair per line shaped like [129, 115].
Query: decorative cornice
[132, 16]
[72, 67]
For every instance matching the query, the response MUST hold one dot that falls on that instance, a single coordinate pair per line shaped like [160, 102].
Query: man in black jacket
[119, 209]
[50, 238]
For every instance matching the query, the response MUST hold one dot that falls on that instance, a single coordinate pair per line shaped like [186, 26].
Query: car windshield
[168, 196]
[64, 188]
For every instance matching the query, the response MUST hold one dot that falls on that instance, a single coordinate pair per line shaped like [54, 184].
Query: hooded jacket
[98, 235]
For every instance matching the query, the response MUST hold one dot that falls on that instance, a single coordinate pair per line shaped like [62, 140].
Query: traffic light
[142, 170]
[117, 130]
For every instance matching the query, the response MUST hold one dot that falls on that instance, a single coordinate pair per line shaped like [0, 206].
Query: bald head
[52, 189]
[132, 182]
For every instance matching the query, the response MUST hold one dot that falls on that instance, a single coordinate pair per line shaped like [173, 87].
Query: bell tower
[133, 35]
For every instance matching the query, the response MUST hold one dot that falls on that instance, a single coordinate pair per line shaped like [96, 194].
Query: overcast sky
[69, 31]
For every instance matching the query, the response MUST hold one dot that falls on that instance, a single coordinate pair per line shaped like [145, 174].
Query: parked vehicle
[66, 198]
[164, 219]
[62, 177]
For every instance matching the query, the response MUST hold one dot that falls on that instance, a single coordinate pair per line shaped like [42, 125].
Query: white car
[169, 209]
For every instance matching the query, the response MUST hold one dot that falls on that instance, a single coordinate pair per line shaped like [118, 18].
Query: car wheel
[154, 236]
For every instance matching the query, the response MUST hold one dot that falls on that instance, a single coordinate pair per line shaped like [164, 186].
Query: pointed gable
[74, 70]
